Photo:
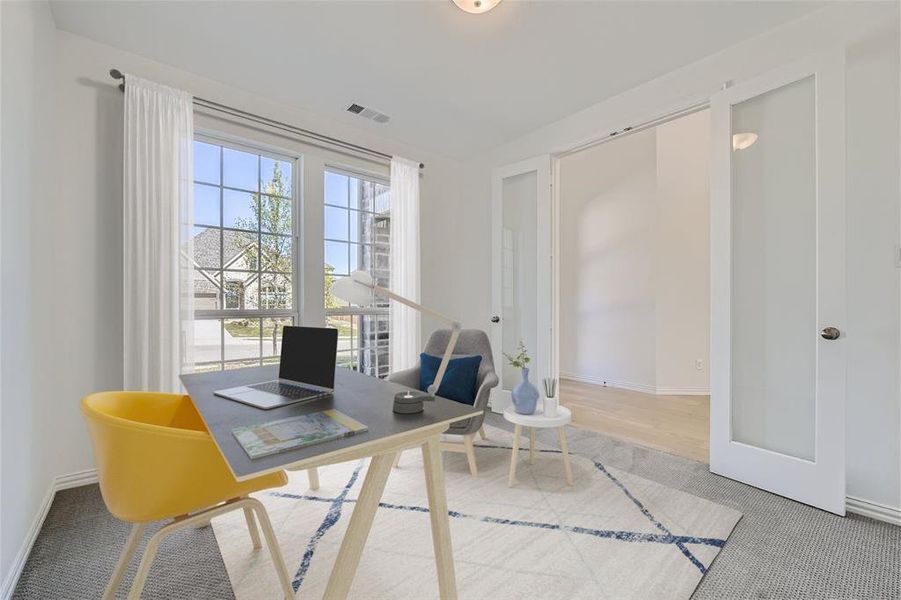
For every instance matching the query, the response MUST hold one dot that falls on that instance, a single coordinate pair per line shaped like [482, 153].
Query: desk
[368, 400]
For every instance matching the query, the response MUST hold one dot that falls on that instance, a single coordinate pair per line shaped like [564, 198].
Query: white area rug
[611, 535]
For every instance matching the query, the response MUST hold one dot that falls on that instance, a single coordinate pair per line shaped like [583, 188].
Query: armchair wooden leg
[131, 545]
[396, 460]
[250, 505]
[482, 432]
[313, 476]
[137, 585]
[278, 560]
[470, 453]
[252, 528]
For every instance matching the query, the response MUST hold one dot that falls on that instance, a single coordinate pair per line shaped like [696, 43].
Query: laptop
[306, 371]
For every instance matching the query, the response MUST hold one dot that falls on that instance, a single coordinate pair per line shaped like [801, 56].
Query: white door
[521, 272]
[777, 407]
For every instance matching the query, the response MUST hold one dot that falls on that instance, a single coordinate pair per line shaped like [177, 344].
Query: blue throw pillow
[460, 378]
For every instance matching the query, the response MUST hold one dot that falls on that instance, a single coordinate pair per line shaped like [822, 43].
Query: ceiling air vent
[368, 113]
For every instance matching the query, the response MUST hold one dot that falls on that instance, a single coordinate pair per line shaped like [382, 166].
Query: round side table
[538, 421]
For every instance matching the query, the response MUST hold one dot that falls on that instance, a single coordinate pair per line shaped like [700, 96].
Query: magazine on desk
[292, 433]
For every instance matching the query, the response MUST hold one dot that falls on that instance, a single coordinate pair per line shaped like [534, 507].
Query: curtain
[404, 253]
[158, 215]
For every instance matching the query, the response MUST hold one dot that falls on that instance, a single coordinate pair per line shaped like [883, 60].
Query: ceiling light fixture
[740, 141]
[476, 6]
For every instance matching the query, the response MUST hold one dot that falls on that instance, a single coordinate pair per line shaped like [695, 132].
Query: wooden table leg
[514, 455]
[561, 431]
[531, 445]
[313, 476]
[441, 540]
[358, 529]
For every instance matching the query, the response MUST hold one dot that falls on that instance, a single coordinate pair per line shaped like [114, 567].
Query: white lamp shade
[356, 289]
[476, 6]
[740, 141]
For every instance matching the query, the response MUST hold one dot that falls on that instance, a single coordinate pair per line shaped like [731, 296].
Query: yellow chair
[157, 461]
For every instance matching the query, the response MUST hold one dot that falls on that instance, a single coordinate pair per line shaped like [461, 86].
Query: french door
[777, 412]
[522, 296]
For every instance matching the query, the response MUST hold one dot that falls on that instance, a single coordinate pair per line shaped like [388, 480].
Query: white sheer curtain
[405, 346]
[158, 216]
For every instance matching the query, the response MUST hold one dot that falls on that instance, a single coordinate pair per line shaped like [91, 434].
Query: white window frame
[297, 257]
[339, 169]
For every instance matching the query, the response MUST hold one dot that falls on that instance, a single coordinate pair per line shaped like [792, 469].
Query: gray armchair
[469, 343]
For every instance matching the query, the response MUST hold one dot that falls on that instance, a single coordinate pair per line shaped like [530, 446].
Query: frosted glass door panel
[774, 267]
[519, 272]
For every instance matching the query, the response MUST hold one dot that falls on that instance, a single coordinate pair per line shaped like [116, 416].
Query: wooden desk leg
[531, 445]
[441, 540]
[358, 529]
[514, 455]
[561, 431]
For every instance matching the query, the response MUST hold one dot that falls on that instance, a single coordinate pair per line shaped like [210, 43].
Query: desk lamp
[358, 289]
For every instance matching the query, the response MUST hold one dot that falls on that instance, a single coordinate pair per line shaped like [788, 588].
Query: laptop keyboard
[288, 391]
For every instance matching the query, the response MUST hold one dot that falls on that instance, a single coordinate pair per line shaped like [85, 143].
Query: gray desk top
[367, 399]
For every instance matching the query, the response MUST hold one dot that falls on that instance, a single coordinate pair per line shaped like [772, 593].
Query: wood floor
[675, 424]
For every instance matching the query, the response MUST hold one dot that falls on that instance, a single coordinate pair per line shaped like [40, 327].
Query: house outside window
[357, 237]
[244, 271]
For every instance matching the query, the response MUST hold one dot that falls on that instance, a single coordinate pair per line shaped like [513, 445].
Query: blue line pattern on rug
[625, 536]
[688, 554]
[334, 514]
[331, 517]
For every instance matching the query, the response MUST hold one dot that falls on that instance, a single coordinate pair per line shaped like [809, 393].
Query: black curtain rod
[237, 112]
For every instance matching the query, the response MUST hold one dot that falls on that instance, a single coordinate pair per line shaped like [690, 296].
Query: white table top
[564, 416]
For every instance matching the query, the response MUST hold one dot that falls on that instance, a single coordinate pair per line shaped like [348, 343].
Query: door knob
[495, 319]
[830, 333]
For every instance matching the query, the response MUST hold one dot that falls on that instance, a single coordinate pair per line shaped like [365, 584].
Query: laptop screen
[308, 355]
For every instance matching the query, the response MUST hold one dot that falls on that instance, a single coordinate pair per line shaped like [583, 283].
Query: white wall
[608, 263]
[634, 260]
[66, 309]
[27, 121]
[873, 215]
[869, 32]
[683, 255]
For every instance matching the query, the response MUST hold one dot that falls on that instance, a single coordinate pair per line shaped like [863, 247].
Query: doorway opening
[634, 286]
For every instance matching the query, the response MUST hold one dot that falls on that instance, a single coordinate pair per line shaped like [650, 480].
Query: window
[357, 236]
[244, 283]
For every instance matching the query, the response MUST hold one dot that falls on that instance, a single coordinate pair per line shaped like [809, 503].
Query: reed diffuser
[551, 402]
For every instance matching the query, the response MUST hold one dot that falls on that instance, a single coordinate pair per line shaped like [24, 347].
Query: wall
[90, 141]
[873, 216]
[27, 94]
[634, 260]
[683, 255]
[608, 263]
[869, 32]
[66, 306]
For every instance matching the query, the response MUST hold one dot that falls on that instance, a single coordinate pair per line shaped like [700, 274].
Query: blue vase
[525, 395]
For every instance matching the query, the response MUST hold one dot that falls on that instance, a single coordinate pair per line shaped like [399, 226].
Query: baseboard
[637, 387]
[62, 482]
[73, 480]
[683, 391]
[874, 510]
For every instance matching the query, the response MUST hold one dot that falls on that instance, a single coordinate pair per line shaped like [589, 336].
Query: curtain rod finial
[116, 74]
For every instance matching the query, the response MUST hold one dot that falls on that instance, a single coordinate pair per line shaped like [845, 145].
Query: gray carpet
[779, 549]
[80, 543]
